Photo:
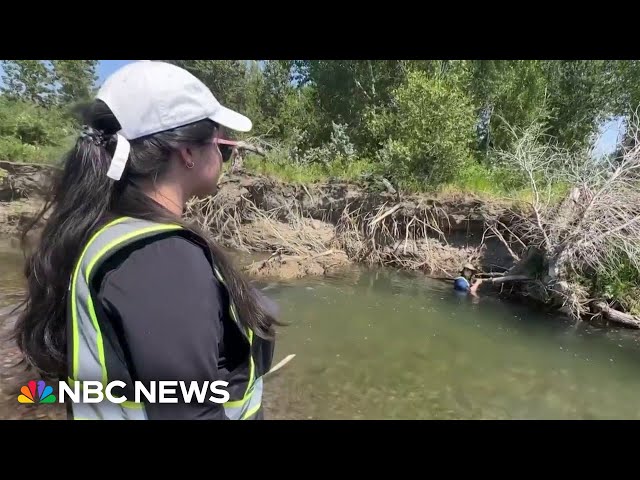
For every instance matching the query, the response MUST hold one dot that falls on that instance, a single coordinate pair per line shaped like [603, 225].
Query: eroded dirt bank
[311, 229]
[323, 226]
[21, 190]
[314, 229]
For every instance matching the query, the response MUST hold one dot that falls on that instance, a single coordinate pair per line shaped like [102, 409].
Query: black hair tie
[93, 134]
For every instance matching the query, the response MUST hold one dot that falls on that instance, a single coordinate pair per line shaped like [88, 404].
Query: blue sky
[107, 67]
[606, 141]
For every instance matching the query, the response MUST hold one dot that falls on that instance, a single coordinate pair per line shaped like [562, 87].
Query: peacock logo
[44, 393]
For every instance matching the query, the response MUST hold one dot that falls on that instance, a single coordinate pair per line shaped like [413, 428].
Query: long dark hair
[81, 200]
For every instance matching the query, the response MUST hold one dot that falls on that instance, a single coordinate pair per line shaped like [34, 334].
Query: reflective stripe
[107, 411]
[88, 348]
[74, 311]
[248, 406]
[250, 403]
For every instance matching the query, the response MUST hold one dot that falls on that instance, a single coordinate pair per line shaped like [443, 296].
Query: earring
[190, 165]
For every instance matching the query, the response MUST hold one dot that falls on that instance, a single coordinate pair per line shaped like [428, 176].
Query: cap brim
[231, 119]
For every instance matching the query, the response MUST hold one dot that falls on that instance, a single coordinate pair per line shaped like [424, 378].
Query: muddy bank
[22, 187]
[435, 236]
[22, 180]
[16, 214]
[348, 222]
[256, 213]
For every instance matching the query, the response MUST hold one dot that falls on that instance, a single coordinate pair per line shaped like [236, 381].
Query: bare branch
[501, 238]
[593, 230]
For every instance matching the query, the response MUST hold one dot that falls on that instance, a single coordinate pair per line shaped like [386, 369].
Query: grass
[475, 180]
[311, 173]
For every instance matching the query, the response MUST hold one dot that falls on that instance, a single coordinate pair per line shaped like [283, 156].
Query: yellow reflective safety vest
[90, 357]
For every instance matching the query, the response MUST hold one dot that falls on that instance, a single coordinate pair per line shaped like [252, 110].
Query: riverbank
[323, 227]
[327, 225]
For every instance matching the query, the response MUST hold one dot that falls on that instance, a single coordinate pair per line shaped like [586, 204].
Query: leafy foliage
[424, 122]
[30, 132]
[49, 83]
[430, 130]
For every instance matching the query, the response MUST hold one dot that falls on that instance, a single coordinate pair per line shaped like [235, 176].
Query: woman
[120, 286]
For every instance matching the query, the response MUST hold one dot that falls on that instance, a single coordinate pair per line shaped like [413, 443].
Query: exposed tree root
[625, 319]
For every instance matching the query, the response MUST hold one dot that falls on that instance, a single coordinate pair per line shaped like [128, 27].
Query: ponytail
[79, 199]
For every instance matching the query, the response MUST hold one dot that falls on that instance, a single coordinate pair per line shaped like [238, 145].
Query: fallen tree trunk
[252, 148]
[616, 316]
[280, 364]
[385, 214]
[490, 274]
[507, 278]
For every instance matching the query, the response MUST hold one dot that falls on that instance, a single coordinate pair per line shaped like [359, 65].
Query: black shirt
[170, 315]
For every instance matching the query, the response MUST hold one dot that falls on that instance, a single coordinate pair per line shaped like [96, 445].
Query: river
[382, 344]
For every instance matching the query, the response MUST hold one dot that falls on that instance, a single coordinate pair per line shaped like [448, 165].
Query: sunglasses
[226, 147]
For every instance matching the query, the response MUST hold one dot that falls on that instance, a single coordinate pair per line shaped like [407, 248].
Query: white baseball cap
[148, 97]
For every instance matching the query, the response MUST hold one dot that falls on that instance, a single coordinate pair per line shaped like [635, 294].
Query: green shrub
[31, 133]
[430, 132]
[621, 284]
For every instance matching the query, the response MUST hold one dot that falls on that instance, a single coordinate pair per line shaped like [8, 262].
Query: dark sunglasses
[226, 147]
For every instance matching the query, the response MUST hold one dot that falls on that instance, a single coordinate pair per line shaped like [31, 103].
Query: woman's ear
[186, 157]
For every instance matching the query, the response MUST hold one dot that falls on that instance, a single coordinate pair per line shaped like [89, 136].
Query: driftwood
[384, 215]
[280, 364]
[507, 278]
[504, 242]
[285, 258]
[251, 148]
[490, 274]
[240, 152]
[616, 316]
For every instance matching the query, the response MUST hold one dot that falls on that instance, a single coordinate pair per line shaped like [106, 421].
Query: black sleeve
[168, 304]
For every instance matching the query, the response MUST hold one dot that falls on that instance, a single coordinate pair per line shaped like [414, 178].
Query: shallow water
[11, 264]
[391, 345]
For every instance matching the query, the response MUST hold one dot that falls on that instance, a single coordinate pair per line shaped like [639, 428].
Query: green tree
[582, 94]
[75, 78]
[430, 130]
[345, 90]
[507, 94]
[623, 86]
[225, 78]
[28, 80]
[626, 96]
[287, 111]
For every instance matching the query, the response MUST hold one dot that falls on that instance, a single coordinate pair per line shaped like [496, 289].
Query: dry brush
[562, 246]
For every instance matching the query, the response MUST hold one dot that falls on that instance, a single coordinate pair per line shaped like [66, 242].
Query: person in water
[120, 286]
[467, 282]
